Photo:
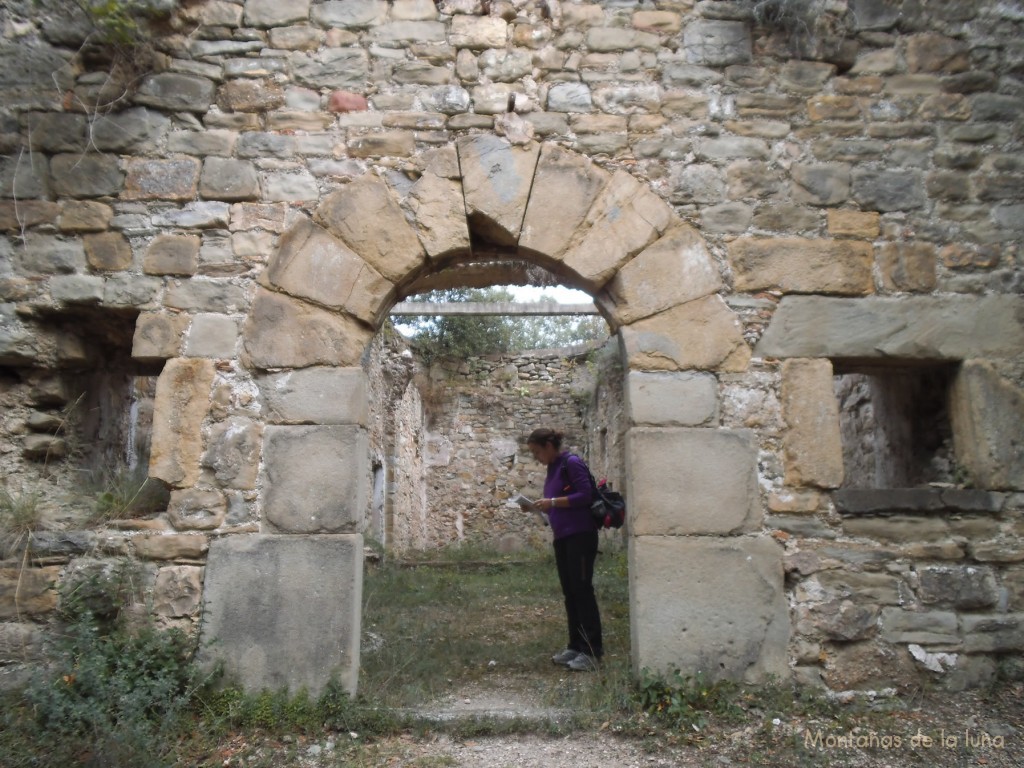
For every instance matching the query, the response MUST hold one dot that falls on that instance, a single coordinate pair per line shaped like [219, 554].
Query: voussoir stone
[282, 332]
[312, 264]
[703, 334]
[368, 219]
[914, 327]
[439, 210]
[686, 616]
[564, 187]
[496, 179]
[182, 402]
[641, 287]
[626, 217]
[305, 492]
[802, 265]
[688, 498]
[327, 395]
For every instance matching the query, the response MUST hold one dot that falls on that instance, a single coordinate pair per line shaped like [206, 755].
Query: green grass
[430, 629]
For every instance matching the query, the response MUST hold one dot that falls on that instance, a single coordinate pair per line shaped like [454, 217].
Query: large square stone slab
[284, 611]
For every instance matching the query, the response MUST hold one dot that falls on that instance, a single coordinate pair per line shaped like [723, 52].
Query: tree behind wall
[434, 336]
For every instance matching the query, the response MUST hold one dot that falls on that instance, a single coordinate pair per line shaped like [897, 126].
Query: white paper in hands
[529, 505]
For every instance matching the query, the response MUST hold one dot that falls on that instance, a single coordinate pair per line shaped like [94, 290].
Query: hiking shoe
[564, 657]
[583, 663]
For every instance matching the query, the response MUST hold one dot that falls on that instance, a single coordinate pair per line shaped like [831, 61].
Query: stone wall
[756, 209]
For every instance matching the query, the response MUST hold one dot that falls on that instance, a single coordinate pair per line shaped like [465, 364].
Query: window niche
[895, 426]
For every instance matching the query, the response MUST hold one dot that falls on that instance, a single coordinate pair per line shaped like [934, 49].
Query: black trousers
[574, 558]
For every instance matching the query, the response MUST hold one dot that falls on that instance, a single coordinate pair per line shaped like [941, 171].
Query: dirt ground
[938, 730]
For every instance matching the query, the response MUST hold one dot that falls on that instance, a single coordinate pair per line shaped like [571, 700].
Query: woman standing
[567, 498]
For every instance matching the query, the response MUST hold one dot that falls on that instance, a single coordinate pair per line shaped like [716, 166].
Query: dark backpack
[608, 508]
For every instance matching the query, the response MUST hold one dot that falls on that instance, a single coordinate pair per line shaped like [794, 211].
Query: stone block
[664, 399]
[176, 92]
[20, 643]
[674, 269]
[233, 453]
[908, 267]
[692, 482]
[625, 218]
[182, 402]
[194, 509]
[281, 332]
[210, 295]
[47, 254]
[987, 416]
[923, 627]
[684, 616]
[821, 184]
[26, 175]
[570, 97]
[845, 223]
[350, 14]
[196, 215]
[496, 179]
[802, 265]
[311, 264]
[227, 179]
[812, 445]
[274, 13]
[316, 396]
[290, 186]
[28, 592]
[700, 335]
[107, 251]
[478, 32]
[89, 175]
[315, 478]
[16, 216]
[76, 289]
[178, 591]
[963, 588]
[863, 587]
[565, 185]
[999, 633]
[716, 43]
[913, 327]
[889, 190]
[212, 335]
[284, 612]
[332, 68]
[136, 130]
[171, 546]
[898, 528]
[368, 219]
[172, 255]
[158, 335]
[84, 216]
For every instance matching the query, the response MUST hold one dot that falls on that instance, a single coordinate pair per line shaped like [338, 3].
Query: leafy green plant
[120, 22]
[687, 701]
[113, 693]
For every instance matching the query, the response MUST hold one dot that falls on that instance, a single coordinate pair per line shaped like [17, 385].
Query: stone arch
[695, 507]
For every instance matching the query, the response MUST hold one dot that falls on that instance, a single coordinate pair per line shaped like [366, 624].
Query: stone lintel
[911, 327]
[284, 611]
[691, 481]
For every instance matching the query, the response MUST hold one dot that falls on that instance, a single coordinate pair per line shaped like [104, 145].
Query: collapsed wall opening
[80, 413]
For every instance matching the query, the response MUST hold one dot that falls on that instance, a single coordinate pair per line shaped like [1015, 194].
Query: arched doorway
[706, 584]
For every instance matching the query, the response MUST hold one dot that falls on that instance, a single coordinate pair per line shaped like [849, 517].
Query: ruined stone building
[801, 220]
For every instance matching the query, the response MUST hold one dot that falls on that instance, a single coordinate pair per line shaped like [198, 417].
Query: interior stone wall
[751, 210]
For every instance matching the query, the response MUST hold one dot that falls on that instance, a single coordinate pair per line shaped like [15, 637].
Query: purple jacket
[576, 518]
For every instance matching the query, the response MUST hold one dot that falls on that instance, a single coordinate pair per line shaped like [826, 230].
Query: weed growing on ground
[20, 514]
[123, 493]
